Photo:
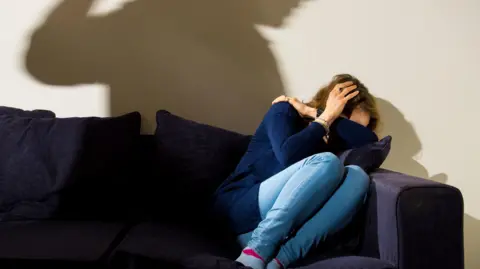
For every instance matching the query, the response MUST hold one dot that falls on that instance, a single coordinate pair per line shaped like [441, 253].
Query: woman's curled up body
[290, 191]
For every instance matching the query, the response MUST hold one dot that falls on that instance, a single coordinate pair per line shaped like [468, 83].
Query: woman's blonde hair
[364, 99]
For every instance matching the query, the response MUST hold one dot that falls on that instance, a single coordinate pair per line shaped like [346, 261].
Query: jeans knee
[324, 157]
[327, 162]
[358, 175]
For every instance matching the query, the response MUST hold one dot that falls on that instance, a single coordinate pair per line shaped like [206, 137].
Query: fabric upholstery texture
[174, 243]
[194, 159]
[105, 170]
[35, 164]
[37, 113]
[56, 240]
[368, 157]
[349, 262]
[41, 159]
[408, 215]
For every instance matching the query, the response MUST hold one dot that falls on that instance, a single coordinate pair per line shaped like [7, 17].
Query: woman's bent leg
[337, 212]
[305, 191]
[268, 193]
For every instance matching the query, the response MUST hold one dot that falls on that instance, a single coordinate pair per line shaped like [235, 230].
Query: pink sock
[278, 262]
[250, 258]
[252, 252]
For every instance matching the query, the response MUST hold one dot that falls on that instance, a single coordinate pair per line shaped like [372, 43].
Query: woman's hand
[302, 109]
[281, 98]
[337, 100]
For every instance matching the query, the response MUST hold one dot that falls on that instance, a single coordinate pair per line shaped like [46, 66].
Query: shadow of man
[203, 60]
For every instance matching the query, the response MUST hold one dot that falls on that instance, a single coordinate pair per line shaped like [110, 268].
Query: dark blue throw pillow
[368, 157]
[37, 113]
[52, 167]
[194, 159]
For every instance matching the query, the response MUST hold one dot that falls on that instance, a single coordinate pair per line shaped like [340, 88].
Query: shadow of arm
[59, 51]
[76, 10]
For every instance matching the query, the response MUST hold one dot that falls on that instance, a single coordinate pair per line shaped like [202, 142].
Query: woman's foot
[251, 259]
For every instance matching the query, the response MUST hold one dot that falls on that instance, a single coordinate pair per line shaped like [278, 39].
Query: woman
[289, 191]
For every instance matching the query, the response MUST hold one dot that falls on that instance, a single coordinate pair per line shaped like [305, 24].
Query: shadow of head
[198, 59]
[268, 12]
[406, 142]
[274, 12]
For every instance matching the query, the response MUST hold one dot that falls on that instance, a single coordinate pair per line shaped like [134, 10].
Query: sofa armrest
[414, 223]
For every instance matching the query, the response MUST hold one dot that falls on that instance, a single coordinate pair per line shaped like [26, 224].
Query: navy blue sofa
[157, 215]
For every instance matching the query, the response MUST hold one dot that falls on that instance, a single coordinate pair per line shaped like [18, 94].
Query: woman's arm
[290, 143]
[354, 135]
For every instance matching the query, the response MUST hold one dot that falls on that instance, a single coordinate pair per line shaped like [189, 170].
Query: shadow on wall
[472, 241]
[405, 145]
[203, 60]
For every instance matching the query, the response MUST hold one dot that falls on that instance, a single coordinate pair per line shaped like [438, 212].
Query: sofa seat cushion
[172, 243]
[351, 262]
[57, 240]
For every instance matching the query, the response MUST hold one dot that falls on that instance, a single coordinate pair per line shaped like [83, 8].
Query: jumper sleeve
[354, 135]
[289, 142]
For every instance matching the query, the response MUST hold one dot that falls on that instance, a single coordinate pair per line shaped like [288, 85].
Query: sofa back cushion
[193, 160]
[105, 169]
[368, 157]
[37, 113]
[54, 167]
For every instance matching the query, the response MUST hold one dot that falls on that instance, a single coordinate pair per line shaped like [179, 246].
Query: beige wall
[215, 64]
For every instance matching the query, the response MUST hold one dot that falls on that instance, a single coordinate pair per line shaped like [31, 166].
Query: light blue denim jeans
[315, 197]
